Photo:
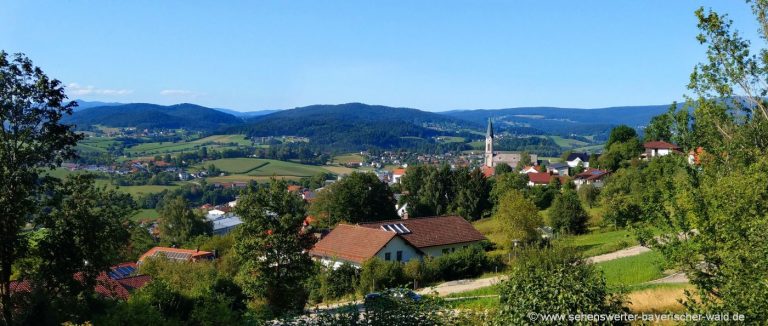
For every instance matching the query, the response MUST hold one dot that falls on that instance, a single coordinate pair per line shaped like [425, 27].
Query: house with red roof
[543, 179]
[176, 254]
[118, 283]
[395, 240]
[591, 176]
[658, 148]
[397, 174]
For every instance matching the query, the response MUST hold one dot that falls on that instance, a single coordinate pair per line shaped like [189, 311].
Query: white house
[574, 159]
[659, 148]
[591, 176]
[395, 240]
[529, 169]
[397, 174]
[214, 214]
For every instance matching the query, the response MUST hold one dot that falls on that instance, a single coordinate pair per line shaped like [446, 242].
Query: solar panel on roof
[398, 228]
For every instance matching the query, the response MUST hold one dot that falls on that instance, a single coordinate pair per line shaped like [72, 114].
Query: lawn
[219, 142]
[346, 158]
[450, 139]
[145, 214]
[600, 242]
[567, 142]
[264, 168]
[490, 228]
[282, 168]
[633, 270]
[488, 290]
[240, 165]
[139, 190]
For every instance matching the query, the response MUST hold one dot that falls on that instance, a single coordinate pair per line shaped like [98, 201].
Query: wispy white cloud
[175, 92]
[80, 90]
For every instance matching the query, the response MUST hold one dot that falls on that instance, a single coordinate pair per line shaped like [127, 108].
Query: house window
[387, 256]
[445, 251]
[399, 255]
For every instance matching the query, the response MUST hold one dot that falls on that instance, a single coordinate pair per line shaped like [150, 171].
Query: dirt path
[628, 252]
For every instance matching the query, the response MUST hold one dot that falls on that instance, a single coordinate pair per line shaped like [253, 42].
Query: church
[492, 159]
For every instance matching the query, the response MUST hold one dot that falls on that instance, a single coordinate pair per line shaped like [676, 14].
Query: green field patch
[450, 139]
[567, 142]
[145, 214]
[598, 243]
[264, 168]
[347, 158]
[633, 270]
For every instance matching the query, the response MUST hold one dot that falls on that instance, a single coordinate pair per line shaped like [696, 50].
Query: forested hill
[564, 121]
[355, 126]
[151, 116]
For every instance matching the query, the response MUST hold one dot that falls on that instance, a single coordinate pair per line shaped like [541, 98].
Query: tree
[84, 236]
[553, 281]
[589, 194]
[180, 224]
[472, 192]
[620, 134]
[661, 126]
[518, 218]
[33, 138]
[525, 160]
[359, 197]
[579, 168]
[567, 215]
[273, 248]
[507, 182]
[502, 168]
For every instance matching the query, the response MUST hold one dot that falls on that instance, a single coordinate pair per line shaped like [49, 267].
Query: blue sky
[431, 55]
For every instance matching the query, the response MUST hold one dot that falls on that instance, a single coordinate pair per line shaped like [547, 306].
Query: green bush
[464, 263]
[339, 282]
[553, 281]
[378, 274]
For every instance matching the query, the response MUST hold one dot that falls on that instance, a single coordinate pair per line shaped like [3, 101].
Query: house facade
[595, 177]
[559, 168]
[574, 159]
[659, 148]
[395, 240]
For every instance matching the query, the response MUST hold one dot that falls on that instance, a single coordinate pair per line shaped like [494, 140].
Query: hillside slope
[144, 115]
[355, 126]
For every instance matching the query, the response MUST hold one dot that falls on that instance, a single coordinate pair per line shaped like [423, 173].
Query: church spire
[489, 134]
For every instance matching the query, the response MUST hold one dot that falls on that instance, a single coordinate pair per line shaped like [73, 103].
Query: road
[448, 288]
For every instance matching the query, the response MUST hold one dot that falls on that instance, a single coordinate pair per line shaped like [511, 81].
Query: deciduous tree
[33, 138]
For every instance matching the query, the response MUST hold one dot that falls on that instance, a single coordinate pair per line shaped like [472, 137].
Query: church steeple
[489, 145]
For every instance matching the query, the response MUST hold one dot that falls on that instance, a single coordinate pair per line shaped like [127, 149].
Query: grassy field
[235, 165]
[633, 270]
[346, 158]
[590, 148]
[489, 227]
[450, 139]
[567, 142]
[139, 190]
[264, 168]
[600, 242]
[216, 141]
[659, 298]
[145, 214]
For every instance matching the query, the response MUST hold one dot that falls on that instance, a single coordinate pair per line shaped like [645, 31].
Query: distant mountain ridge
[564, 121]
[355, 126]
[153, 116]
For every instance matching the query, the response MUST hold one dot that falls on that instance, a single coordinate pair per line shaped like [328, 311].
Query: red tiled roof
[488, 171]
[398, 172]
[660, 145]
[188, 254]
[434, 231]
[352, 243]
[539, 178]
[294, 188]
[591, 174]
